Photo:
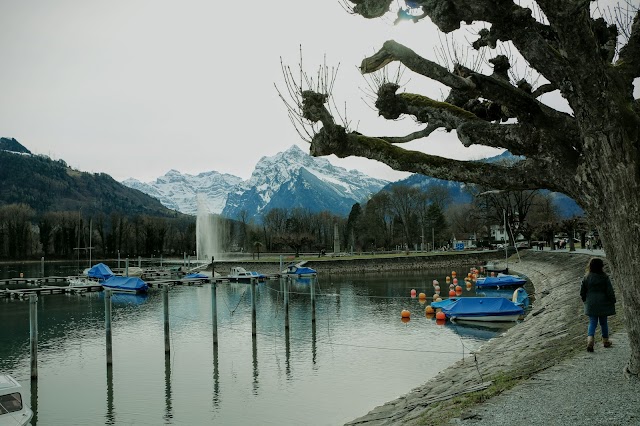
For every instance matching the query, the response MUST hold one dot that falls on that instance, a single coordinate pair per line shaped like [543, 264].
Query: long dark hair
[595, 265]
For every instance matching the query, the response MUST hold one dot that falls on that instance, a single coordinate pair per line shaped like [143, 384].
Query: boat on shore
[239, 274]
[13, 410]
[491, 309]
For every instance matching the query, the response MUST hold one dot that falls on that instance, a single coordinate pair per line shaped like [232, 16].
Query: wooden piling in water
[165, 303]
[286, 304]
[107, 325]
[313, 300]
[33, 334]
[253, 307]
[214, 312]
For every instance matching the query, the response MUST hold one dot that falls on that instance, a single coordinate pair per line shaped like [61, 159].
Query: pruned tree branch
[629, 58]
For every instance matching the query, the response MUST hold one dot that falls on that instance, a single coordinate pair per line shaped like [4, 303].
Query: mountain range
[288, 179]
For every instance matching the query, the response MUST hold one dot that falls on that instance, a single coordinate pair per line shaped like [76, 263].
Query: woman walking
[599, 301]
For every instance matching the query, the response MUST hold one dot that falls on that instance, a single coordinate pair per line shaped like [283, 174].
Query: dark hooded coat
[598, 296]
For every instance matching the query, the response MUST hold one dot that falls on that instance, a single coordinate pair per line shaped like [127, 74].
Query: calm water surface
[357, 355]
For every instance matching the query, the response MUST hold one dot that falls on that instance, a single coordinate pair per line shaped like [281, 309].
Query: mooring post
[165, 303]
[126, 267]
[313, 300]
[161, 261]
[286, 304]
[42, 265]
[214, 312]
[118, 259]
[139, 261]
[33, 334]
[253, 307]
[107, 325]
[184, 258]
[280, 270]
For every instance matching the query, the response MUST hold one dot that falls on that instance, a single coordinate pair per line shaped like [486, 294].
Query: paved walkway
[588, 389]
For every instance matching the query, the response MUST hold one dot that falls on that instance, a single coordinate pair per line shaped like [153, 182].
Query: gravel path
[588, 389]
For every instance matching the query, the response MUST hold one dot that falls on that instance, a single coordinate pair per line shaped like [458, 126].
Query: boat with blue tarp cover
[483, 309]
[443, 303]
[519, 296]
[298, 270]
[197, 275]
[501, 281]
[126, 284]
[100, 271]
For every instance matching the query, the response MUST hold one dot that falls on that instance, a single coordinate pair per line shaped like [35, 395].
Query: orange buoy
[438, 299]
[430, 316]
[455, 281]
[468, 286]
[405, 314]
[493, 274]
[441, 321]
[422, 296]
[453, 274]
[437, 289]
[448, 279]
[435, 296]
[452, 293]
[405, 319]
[458, 288]
[435, 283]
[451, 286]
[413, 292]
[429, 310]
[440, 315]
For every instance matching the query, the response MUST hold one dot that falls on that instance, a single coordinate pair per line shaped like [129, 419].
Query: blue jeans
[593, 323]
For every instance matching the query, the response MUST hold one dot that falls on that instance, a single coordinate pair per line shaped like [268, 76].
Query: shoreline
[553, 330]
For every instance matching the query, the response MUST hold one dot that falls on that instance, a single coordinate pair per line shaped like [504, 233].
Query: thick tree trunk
[616, 207]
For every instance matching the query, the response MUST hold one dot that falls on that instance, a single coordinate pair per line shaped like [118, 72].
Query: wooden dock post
[107, 325]
[165, 303]
[313, 300]
[126, 267]
[42, 266]
[214, 312]
[139, 261]
[118, 259]
[33, 334]
[253, 307]
[286, 304]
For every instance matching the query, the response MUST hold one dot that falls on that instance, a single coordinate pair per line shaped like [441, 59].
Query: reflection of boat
[126, 284]
[239, 274]
[13, 410]
[500, 281]
[129, 299]
[483, 309]
[197, 275]
[518, 296]
[298, 270]
[479, 330]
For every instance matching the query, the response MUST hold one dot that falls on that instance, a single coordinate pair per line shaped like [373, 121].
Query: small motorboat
[495, 309]
[13, 410]
[298, 270]
[239, 274]
[519, 296]
[500, 281]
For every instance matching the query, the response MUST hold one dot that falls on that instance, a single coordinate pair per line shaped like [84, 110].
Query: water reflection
[358, 318]
[110, 416]
[168, 410]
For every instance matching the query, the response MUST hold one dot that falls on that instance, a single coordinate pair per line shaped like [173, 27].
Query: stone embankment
[369, 265]
[552, 330]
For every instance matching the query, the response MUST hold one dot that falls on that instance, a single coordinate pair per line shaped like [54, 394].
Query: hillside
[48, 185]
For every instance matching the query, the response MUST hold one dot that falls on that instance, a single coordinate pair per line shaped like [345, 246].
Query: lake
[357, 355]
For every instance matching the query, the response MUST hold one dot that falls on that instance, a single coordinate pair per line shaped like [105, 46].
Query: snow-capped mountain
[179, 191]
[288, 179]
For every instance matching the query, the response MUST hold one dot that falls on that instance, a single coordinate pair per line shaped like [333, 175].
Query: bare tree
[591, 154]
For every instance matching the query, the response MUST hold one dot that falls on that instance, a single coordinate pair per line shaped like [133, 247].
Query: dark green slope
[47, 185]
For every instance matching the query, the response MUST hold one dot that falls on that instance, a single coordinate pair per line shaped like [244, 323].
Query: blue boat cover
[443, 303]
[482, 306]
[300, 270]
[196, 275]
[100, 271]
[126, 283]
[501, 281]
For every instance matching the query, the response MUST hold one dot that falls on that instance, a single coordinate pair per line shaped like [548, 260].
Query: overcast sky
[136, 88]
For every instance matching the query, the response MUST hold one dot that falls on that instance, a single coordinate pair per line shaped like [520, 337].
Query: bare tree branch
[629, 58]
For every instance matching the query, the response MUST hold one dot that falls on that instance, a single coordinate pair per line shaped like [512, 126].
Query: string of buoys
[455, 290]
